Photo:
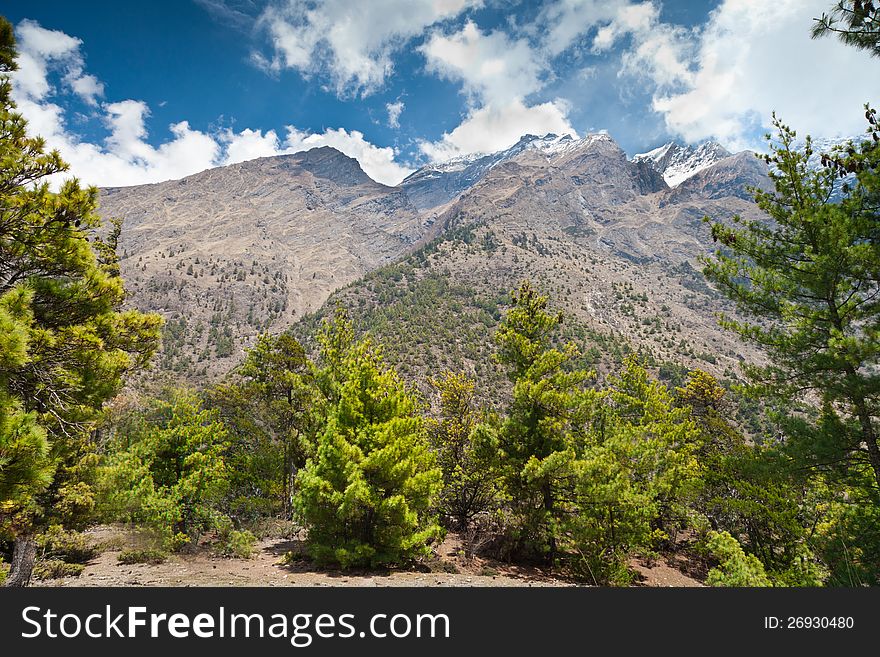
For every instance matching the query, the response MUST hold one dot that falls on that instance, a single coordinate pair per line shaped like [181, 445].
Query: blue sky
[141, 92]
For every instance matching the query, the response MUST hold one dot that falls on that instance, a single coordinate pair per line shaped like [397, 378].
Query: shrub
[67, 546]
[736, 568]
[149, 556]
[238, 544]
[56, 568]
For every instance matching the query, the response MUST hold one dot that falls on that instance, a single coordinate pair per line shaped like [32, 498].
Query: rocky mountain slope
[606, 237]
[677, 163]
[230, 252]
[262, 245]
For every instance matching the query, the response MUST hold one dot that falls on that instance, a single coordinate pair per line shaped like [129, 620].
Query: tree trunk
[870, 438]
[23, 557]
[548, 509]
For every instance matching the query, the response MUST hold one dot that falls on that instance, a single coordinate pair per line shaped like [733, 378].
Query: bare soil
[268, 567]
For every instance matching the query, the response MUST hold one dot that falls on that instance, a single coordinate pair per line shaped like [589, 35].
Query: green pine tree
[277, 382]
[69, 342]
[537, 440]
[855, 22]
[808, 282]
[166, 470]
[366, 495]
[466, 445]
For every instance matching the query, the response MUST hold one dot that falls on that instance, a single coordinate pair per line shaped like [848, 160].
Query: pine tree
[808, 281]
[61, 303]
[367, 494]
[855, 22]
[278, 381]
[634, 472]
[466, 445]
[167, 470]
[536, 440]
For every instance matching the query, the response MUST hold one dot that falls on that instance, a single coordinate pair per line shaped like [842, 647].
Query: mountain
[436, 184]
[275, 243]
[605, 236]
[677, 163]
[233, 251]
[732, 176]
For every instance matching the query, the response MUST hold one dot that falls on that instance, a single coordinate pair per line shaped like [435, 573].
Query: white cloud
[492, 67]
[41, 49]
[563, 22]
[627, 19]
[491, 128]
[249, 145]
[497, 74]
[394, 111]
[377, 162]
[126, 157]
[752, 58]
[351, 41]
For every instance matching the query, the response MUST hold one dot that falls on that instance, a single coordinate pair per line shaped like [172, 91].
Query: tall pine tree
[536, 440]
[68, 342]
[808, 282]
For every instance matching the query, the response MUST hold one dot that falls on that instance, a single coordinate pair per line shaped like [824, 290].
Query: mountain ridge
[231, 252]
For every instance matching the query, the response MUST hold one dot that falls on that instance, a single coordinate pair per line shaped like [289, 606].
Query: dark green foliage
[466, 444]
[65, 341]
[809, 281]
[855, 22]
[272, 409]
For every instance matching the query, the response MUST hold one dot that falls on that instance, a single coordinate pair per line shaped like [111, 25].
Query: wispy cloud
[751, 58]
[394, 110]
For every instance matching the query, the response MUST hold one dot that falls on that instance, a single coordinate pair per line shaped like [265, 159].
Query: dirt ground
[267, 568]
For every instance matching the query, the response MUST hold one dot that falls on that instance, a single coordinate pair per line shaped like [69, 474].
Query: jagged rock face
[595, 231]
[677, 163]
[626, 207]
[437, 184]
[732, 176]
[230, 252]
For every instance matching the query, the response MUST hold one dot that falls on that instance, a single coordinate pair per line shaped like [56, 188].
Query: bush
[67, 546]
[238, 544]
[56, 568]
[149, 556]
[169, 474]
[736, 568]
[4, 568]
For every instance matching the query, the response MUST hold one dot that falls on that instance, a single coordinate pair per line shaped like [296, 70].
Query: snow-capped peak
[678, 163]
[441, 181]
